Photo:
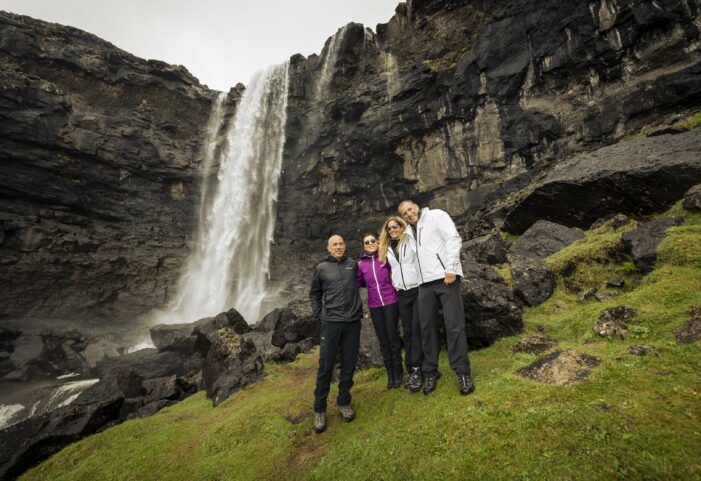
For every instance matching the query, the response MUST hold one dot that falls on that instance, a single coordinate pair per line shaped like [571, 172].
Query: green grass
[692, 122]
[635, 418]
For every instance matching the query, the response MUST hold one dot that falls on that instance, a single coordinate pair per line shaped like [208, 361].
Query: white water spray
[230, 266]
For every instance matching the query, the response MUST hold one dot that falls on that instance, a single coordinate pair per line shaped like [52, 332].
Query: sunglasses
[390, 228]
[369, 242]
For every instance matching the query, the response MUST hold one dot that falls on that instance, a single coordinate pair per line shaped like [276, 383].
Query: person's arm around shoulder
[453, 244]
[316, 293]
[359, 278]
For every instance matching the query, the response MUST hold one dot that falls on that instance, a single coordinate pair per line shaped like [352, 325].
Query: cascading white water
[229, 266]
[329, 62]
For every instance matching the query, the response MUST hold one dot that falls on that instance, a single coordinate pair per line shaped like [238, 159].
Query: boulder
[291, 349]
[147, 363]
[487, 249]
[535, 344]
[613, 322]
[174, 337]
[561, 367]
[534, 281]
[636, 178]
[25, 444]
[615, 282]
[641, 243]
[232, 363]
[692, 198]
[130, 383]
[296, 322]
[269, 321]
[491, 310]
[689, 332]
[544, 238]
[262, 341]
[230, 319]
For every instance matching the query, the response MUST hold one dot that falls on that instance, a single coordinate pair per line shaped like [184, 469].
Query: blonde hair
[385, 239]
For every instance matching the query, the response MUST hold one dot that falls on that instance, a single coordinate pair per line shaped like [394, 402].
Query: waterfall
[392, 73]
[229, 266]
[329, 63]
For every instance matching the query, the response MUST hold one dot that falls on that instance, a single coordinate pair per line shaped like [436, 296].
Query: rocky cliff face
[459, 104]
[99, 155]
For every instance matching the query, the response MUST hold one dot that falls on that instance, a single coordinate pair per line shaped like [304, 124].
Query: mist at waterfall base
[229, 265]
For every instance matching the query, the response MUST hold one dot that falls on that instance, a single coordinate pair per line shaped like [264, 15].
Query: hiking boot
[465, 384]
[415, 380]
[390, 378]
[347, 413]
[430, 383]
[320, 422]
[398, 377]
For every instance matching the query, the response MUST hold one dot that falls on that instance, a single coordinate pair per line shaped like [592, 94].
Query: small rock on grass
[561, 367]
[616, 282]
[535, 344]
[613, 322]
[643, 350]
[690, 332]
[692, 198]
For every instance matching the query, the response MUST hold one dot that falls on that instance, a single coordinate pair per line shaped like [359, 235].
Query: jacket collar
[330, 258]
[365, 255]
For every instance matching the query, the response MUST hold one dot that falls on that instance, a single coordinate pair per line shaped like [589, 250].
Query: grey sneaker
[320, 422]
[347, 413]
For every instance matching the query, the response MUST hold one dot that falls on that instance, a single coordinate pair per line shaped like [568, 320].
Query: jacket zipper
[439, 260]
[343, 284]
[418, 262]
[377, 283]
[401, 271]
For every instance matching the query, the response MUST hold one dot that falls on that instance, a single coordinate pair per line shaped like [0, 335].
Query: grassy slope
[636, 418]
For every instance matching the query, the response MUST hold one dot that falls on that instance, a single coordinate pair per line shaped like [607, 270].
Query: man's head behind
[336, 246]
[409, 211]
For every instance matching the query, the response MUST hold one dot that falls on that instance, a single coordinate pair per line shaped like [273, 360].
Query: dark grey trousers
[431, 295]
[409, 314]
[335, 337]
[385, 320]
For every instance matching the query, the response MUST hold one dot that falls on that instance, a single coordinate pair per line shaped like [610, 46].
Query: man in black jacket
[336, 303]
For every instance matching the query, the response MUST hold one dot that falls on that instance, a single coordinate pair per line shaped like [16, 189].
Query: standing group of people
[410, 270]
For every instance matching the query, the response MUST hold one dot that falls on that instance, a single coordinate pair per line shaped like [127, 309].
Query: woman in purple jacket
[384, 309]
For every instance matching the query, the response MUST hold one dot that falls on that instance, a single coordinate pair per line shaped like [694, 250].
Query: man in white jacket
[438, 246]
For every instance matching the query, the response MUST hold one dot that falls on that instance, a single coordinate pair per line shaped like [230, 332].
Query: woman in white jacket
[397, 245]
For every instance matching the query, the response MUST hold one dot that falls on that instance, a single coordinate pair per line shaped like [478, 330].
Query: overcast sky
[220, 42]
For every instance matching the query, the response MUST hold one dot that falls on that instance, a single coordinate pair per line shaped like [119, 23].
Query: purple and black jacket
[378, 279]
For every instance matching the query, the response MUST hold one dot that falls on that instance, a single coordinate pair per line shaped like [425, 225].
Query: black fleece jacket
[334, 294]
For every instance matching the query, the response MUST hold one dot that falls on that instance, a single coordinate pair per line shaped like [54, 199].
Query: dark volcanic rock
[613, 322]
[130, 383]
[487, 249]
[147, 363]
[174, 337]
[641, 243]
[535, 344]
[562, 368]
[692, 198]
[643, 350]
[534, 281]
[637, 177]
[616, 282]
[543, 239]
[100, 173]
[491, 310]
[616, 221]
[296, 322]
[29, 442]
[232, 363]
[689, 332]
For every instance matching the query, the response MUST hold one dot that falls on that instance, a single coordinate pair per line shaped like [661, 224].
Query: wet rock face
[100, 154]
[641, 243]
[457, 105]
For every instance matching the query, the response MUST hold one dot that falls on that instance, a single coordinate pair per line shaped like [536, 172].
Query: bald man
[336, 303]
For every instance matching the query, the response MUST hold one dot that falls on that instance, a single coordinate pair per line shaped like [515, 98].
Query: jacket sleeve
[453, 242]
[359, 279]
[316, 294]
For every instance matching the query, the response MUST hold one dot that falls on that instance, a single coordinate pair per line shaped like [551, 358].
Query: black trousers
[409, 314]
[385, 320]
[431, 295]
[335, 337]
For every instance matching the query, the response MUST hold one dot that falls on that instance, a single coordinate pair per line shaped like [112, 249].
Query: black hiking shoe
[415, 380]
[398, 378]
[390, 378]
[465, 384]
[430, 383]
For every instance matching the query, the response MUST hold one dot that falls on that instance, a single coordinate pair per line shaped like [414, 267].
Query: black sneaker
[465, 384]
[430, 383]
[415, 380]
[398, 378]
[390, 378]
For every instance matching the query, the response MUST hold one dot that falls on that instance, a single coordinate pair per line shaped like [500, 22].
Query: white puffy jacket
[438, 245]
[404, 273]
